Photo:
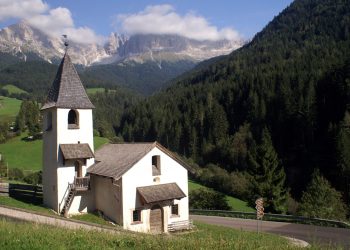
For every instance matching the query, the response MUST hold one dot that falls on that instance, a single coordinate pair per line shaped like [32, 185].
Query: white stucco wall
[50, 161]
[56, 175]
[141, 175]
[107, 197]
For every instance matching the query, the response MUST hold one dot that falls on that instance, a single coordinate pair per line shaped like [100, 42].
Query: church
[140, 186]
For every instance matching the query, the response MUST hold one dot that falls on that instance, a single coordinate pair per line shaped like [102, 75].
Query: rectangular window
[175, 209]
[136, 216]
[156, 165]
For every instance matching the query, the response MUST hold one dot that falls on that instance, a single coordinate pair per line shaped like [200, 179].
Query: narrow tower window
[73, 119]
[156, 165]
[48, 121]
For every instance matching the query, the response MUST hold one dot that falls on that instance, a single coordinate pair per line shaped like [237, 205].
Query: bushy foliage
[34, 178]
[4, 128]
[203, 198]
[320, 200]
[15, 174]
[29, 117]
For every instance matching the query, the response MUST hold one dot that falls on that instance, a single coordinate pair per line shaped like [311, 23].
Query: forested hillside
[36, 76]
[291, 81]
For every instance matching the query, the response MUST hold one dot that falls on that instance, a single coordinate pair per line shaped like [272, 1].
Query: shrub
[240, 185]
[15, 174]
[203, 198]
[321, 200]
[34, 178]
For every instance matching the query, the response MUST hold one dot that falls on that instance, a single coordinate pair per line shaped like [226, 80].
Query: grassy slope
[11, 202]
[20, 235]
[27, 155]
[91, 91]
[236, 204]
[9, 108]
[12, 89]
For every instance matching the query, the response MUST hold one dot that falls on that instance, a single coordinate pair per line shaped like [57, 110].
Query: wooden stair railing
[68, 201]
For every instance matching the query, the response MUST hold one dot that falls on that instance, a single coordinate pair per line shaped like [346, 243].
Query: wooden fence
[23, 192]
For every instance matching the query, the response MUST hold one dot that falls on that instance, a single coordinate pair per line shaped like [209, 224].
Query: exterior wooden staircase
[68, 200]
[79, 184]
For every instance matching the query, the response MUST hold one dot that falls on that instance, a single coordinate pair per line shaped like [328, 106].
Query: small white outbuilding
[141, 186]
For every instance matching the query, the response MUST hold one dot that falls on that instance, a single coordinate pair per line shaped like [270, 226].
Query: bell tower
[68, 148]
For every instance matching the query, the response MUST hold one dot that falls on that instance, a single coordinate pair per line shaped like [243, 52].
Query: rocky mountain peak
[21, 39]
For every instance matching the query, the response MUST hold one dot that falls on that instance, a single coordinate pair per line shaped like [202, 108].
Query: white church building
[141, 186]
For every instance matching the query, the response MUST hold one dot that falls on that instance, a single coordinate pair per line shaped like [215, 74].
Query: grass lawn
[236, 204]
[9, 108]
[11, 202]
[92, 91]
[27, 155]
[99, 141]
[91, 217]
[22, 235]
[12, 89]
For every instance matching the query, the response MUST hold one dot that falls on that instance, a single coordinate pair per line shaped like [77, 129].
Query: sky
[88, 21]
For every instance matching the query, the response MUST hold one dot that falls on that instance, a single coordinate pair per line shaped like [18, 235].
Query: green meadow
[9, 108]
[92, 91]
[27, 155]
[12, 89]
[236, 204]
[23, 235]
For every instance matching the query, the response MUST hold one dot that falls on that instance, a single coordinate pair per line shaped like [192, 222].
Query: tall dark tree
[29, 118]
[343, 146]
[268, 176]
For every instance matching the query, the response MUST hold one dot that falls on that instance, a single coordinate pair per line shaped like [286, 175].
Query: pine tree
[343, 145]
[268, 176]
[321, 200]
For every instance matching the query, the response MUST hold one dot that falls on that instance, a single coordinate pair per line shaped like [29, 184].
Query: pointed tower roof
[67, 91]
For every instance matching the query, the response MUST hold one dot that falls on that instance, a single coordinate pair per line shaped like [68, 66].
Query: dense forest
[288, 90]
[35, 75]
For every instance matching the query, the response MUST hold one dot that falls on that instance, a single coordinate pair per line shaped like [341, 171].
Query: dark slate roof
[113, 160]
[76, 151]
[67, 91]
[161, 192]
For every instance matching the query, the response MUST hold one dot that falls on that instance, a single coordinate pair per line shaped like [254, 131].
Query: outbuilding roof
[161, 192]
[113, 160]
[76, 151]
[67, 91]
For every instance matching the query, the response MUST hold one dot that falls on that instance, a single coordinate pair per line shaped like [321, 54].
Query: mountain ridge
[21, 38]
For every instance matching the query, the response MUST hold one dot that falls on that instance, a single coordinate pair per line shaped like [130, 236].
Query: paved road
[309, 233]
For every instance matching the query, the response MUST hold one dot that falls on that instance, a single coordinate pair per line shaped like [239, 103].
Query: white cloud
[162, 19]
[54, 22]
[21, 8]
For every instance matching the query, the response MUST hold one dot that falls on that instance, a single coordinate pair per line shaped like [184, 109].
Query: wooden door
[78, 169]
[156, 219]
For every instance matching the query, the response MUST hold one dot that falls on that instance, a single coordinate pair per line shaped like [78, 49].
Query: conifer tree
[343, 145]
[268, 176]
[321, 200]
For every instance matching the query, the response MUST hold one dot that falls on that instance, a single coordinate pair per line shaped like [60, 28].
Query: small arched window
[73, 119]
